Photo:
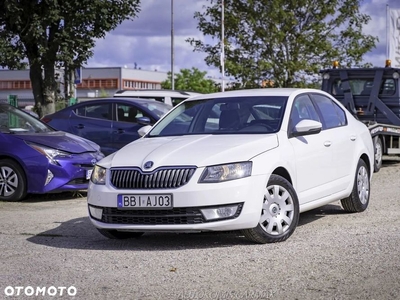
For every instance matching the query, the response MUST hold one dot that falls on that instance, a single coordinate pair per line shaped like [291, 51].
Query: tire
[279, 214]
[119, 235]
[359, 197]
[12, 181]
[378, 154]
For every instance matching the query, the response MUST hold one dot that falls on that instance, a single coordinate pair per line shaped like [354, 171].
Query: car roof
[150, 92]
[119, 99]
[256, 92]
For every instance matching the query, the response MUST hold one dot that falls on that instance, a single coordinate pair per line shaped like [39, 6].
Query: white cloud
[146, 40]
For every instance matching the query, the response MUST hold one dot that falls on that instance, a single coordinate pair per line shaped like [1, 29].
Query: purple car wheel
[12, 181]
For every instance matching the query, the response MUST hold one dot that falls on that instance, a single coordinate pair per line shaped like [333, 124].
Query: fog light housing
[49, 177]
[96, 212]
[221, 212]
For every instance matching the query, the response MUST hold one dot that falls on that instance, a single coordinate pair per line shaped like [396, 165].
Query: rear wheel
[359, 197]
[378, 154]
[12, 181]
[279, 213]
[115, 234]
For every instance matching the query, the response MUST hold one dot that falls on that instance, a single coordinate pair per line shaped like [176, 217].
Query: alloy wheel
[8, 181]
[363, 184]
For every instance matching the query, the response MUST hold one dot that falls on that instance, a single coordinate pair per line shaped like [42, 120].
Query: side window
[337, 89]
[97, 111]
[303, 109]
[176, 100]
[128, 113]
[332, 115]
[388, 87]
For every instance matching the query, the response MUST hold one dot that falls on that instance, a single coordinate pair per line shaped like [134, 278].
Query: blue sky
[146, 40]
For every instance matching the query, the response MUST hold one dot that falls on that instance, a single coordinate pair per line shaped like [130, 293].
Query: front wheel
[119, 235]
[359, 197]
[12, 181]
[279, 213]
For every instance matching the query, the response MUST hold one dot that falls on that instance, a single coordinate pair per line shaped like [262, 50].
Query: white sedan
[249, 160]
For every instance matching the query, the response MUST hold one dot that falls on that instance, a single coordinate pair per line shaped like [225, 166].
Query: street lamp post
[222, 47]
[172, 46]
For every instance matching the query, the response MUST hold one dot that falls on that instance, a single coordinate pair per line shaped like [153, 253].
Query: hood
[194, 150]
[60, 140]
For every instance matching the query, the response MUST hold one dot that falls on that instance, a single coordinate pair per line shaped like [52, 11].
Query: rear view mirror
[144, 130]
[143, 120]
[307, 127]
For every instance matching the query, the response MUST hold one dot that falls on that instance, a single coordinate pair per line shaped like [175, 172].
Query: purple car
[36, 159]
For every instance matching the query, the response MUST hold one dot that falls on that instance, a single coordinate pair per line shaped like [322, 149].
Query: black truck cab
[373, 96]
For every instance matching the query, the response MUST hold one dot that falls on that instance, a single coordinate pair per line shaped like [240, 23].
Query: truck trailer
[373, 96]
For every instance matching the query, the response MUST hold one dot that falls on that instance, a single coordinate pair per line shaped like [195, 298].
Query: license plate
[88, 174]
[154, 201]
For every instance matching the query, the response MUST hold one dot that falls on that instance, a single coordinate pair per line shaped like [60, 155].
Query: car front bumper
[188, 203]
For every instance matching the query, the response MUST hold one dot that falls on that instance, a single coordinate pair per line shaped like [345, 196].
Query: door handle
[327, 143]
[80, 126]
[119, 130]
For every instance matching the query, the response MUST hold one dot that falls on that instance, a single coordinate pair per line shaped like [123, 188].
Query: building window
[15, 84]
[99, 83]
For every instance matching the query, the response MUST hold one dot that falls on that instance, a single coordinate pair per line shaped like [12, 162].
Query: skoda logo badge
[148, 164]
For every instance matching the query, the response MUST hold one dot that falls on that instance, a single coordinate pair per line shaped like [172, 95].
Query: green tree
[50, 34]
[191, 80]
[284, 41]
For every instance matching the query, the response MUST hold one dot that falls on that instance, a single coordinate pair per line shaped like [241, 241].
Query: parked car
[36, 159]
[249, 160]
[171, 97]
[110, 122]
[31, 112]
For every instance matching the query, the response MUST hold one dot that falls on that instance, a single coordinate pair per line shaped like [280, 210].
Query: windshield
[363, 87]
[236, 115]
[13, 120]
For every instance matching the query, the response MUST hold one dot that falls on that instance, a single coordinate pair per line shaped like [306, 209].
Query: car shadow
[33, 198]
[390, 162]
[320, 212]
[79, 233]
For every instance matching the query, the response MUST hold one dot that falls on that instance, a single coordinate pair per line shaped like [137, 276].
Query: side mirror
[143, 120]
[306, 127]
[144, 130]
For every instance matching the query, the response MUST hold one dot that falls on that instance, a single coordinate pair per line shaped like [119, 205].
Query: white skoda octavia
[249, 160]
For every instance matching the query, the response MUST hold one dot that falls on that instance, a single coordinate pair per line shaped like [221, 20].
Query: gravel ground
[49, 247]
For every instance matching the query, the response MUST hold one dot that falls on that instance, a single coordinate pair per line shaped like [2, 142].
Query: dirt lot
[50, 250]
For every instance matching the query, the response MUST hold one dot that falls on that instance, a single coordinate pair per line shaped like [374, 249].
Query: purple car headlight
[50, 153]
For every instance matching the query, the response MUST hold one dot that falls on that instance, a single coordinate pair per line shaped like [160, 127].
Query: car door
[93, 121]
[125, 125]
[341, 138]
[313, 156]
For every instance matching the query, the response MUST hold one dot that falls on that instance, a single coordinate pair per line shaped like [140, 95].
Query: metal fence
[21, 102]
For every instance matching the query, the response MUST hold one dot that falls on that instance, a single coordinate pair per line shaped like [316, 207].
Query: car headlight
[226, 172]
[98, 175]
[50, 153]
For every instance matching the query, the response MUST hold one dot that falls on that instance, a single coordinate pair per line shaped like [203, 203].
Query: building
[95, 82]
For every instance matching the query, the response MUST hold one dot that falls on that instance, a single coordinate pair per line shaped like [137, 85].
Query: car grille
[175, 216]
[164, 178]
